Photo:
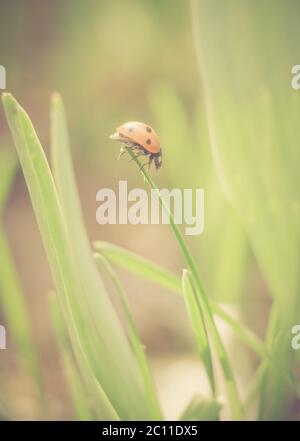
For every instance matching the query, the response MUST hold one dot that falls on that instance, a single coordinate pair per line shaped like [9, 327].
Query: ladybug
[142, 139]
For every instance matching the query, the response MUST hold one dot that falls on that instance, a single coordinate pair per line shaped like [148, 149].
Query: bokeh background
[114, 61]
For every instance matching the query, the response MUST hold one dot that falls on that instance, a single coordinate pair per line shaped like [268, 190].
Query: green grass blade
[156, 274]
[140, 266]
[271, 379]
[255, 162]
[8, 167]
[121, 381]
[77, 390]
[52, 226]
[15, 310]
[255, 385]
[222, 250]
[169, 112]
[253, 119]
[136, 343]
[200, 409]
[230, 260]
[233, 395]
[199, 328]
[12, 298]
[246, 336]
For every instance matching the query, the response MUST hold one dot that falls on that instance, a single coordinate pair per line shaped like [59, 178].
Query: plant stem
[233, 396]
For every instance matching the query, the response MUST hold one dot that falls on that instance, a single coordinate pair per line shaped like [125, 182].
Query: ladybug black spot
[149, 130]
[148, 141]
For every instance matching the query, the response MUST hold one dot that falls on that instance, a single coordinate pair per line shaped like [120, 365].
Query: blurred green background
[114, 61]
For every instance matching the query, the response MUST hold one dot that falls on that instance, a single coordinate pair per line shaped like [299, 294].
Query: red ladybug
[142, 139]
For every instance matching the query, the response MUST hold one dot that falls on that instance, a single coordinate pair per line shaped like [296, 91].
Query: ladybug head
[158, 160]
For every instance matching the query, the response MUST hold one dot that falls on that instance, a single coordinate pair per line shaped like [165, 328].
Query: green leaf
[223, 248]
[137, 345]
[232, 392]
[14, 308]
[12, 298]
[8, 167]
[156, 274]
[169, 113]
[198, 325]
[107, 336]
[140, 266]
[200, 409]
[76, 387]
[253, 118]
[233, 395]
[230, 259]
[56, 242]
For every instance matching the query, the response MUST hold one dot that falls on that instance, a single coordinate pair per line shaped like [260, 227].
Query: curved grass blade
[139, 265]
[11, 295]
[156, 274]
[15, 310]
[232, 391]
[53, 230]
[76, 387]
[255, 147]
[198, 325]
[121, 381]
[200, 409]
[8, 167]
[136, 343]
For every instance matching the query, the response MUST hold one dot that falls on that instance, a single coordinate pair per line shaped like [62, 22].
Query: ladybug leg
[134, 147]
[125, 147]
[150, 162]
[145, 165]
[137, 155]
[122, 151]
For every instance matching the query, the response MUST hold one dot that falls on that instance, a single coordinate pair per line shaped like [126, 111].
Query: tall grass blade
[108, 336]
[156, 274]
[12, 298]
[223, 247]
[253, 119]
[198, 325]
[53, 229]
[136, 343]
[8, 167]
[77, 390]
[200, 409]
[15, 310]
[140, 266]
[233, 396]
